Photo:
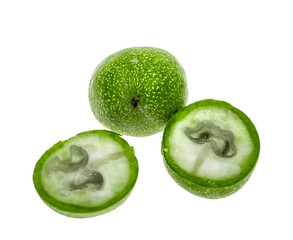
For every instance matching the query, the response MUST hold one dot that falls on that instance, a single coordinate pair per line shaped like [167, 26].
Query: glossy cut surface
[86, 175]
[210, 148]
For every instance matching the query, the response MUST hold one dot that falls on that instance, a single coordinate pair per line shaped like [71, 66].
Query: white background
[237, 51]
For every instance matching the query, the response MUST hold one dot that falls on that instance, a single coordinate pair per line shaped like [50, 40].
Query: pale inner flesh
[211, 143]
[87, 171]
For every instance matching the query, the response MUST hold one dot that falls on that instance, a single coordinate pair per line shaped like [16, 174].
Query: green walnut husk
[87, 175]
[210, 148]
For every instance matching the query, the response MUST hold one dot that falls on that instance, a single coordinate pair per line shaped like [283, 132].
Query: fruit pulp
[210, 148]
[86, 175]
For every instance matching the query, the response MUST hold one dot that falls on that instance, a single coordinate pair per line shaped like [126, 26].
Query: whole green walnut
[136, 90]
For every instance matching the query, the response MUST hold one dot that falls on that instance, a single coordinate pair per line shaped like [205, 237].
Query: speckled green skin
[207, 188]
[77, 211]
[136, 90]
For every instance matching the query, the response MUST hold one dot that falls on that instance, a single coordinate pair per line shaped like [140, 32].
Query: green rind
[77, 211]
[206, 192]
[205, 187]
[158, 78]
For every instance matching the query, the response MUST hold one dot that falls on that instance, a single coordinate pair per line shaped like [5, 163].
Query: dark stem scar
[135, 101]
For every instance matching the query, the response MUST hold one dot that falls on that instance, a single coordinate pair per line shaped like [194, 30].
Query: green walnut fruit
[210, 148]
[86, 175]
[136, 90]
